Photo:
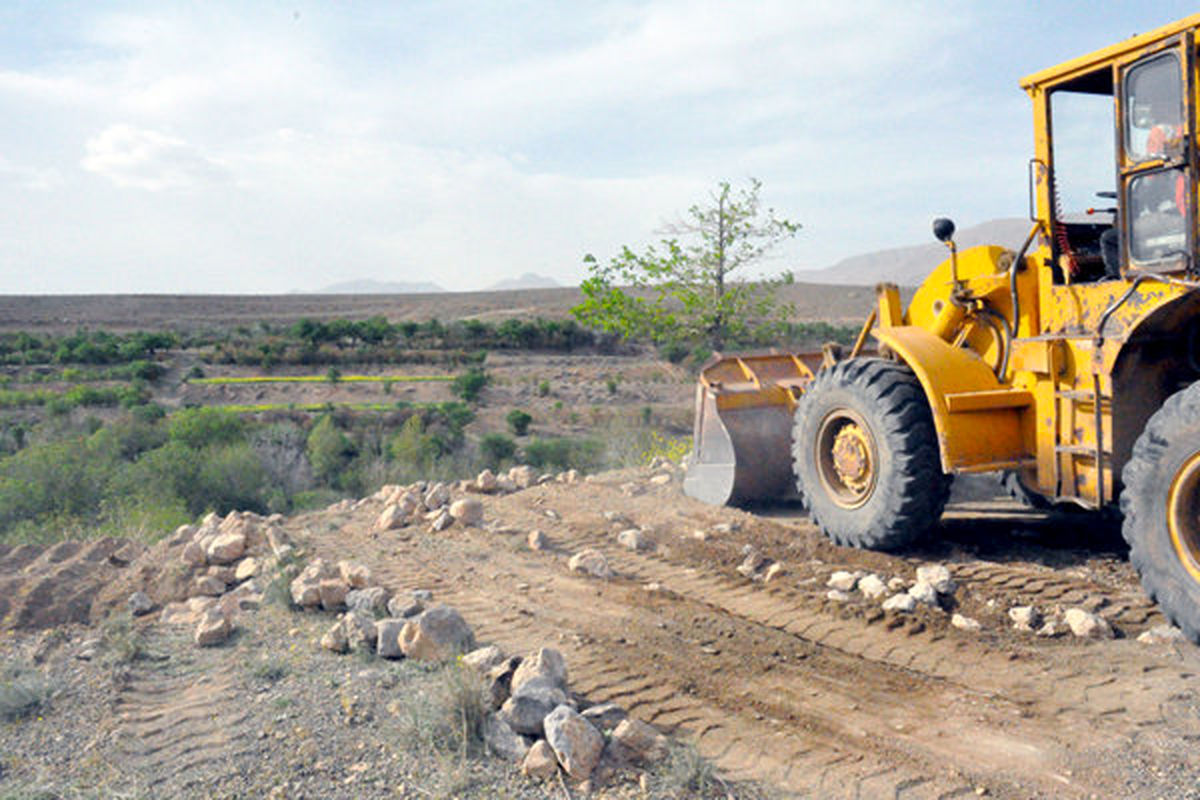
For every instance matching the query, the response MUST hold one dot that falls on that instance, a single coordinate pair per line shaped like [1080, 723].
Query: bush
[329, 451]
[543, 389]
[230, 477]
[518, 422]
[496, 448]
[22, 695]
[198, 427]
[563, 453]
[470, 384]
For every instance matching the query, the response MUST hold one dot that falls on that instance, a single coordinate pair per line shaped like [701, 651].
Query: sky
[268, 147]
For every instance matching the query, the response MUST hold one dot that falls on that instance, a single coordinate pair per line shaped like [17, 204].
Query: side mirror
[943, 229]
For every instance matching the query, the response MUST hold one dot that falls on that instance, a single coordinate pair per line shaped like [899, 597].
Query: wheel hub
[846, 458]
[1183, 515]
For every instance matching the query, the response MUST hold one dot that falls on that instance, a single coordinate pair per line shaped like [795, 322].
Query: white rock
[333, 594]
[1025, 618]
[1087, 625]
[633, 539]
[838, 596]
[900, 602]
[226, 548]
[483, 659]
[965, 623]
[537, 540]
[937, 576]
[527, 708]
[356, 576]
[214, 628]
[522, 476]
[335, 640]
[576, 742]
[897, 585]
[361, 631]
[843, 581]
[441, 521]
[193, 554]
[486, 481]
[545, 663]
[924, 593]
[468, 511]
[872, 586]
[590, 562]
[247, 568]
[372, 600]
[139, 604]
[1161, 634]
[660, 480]
[390, 518]
[774, 572]
[617, 518]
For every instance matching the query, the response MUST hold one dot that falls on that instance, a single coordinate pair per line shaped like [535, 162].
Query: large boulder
[214, 628]
[392, 517]
[633, 741]
[468, 511]
[354, 575]
[306, 587]
[370, 601]
[226, 547]
[576, 742]
[540, 762]
[1087, 625]
[387, 637]
[436, 635]
[502, 740]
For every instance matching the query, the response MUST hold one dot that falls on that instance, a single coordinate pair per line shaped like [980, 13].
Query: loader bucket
[742, 436]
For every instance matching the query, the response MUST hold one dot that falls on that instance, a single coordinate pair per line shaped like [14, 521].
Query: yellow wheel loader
[1071, 366]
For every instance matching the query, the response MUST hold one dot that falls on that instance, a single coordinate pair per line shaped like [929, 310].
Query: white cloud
[146, 159]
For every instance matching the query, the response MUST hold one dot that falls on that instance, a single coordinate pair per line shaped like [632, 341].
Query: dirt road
[822, 698]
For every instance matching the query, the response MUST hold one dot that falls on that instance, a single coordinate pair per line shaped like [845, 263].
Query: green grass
[324, 379]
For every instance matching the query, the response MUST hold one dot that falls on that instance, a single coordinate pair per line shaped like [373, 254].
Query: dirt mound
[43, 586]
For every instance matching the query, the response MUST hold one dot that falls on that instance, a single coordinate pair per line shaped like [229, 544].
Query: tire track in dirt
[175, 725]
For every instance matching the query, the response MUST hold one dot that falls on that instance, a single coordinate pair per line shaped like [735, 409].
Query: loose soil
[773, 681]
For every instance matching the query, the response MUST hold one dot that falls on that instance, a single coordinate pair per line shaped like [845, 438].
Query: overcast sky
[266, 147]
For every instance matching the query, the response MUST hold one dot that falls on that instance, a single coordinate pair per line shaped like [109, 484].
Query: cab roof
[1107, 54]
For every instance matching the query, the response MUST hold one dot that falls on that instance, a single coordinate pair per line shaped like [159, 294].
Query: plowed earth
[776, 682]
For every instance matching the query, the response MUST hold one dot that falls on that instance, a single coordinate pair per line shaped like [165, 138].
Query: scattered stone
[752, 564]
[387, 638]
[362, 633]
[576, 743]
[335, 640]
[486, 481]
[139, 604]
[373, 600]
[727, 527]
[904, 603]
[483, 659]
[616, 517]
[700, 535]
[306, 587]
[537, 540]
[546, 663]
[437, 497]
[88, 649]
[1161, 634]
[838, 596]
[924, 593]
[436, 635]
[872, 586]
[540, 762]
[441, 521]
[965, 623]
[633, 539]
[660, 480]
[333, 594]
[590, 562]
[897, 585]
[774, 571]
[188, 612]
[631, 489]
[214, 628]
[843, 581]
[1025, 618]
[468, 511]
[937, 576]
[223, 573]
[505, 485]
[605, 716]
[633, 741]
[527, 707]
[571, 476]
[1087, 625]
[391, 518]
[421, 595]
[1050, 629]
[502, 740]
[522, 476]
[405, 607]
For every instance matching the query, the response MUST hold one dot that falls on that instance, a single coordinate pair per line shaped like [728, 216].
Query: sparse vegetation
[518, 421]
[23, 692]
[470, 384]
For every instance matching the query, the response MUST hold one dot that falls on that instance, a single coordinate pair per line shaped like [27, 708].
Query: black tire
[880, 409]
[1160, 501]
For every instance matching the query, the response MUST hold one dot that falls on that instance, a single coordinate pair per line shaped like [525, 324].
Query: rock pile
[225, 558]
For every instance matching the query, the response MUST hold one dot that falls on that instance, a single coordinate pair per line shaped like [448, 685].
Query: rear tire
[1161, 503]
[866, 456]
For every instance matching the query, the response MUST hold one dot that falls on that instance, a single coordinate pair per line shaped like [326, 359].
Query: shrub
[612, 384]
[197, 427]
[22, 694]
[329, 451]
[496, 448]
[413, 447]
[518, 421]
[333, 374]
[230, 477]
[470, 384]
[543, 389]
[564, 453]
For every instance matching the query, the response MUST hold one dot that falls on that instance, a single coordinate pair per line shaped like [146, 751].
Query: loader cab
[1114, 175]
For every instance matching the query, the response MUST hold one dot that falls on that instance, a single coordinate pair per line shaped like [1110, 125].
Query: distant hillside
[529, 280]
[368, 286]
[908, 266]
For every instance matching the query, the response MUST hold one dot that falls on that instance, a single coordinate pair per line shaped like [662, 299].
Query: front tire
[866, 457]
[1161, 503]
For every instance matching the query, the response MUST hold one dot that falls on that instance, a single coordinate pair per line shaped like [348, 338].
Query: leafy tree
[686, 289]
[198, 427]
[496, 448]
[329, 451]
[470, 384]
[518, 421]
